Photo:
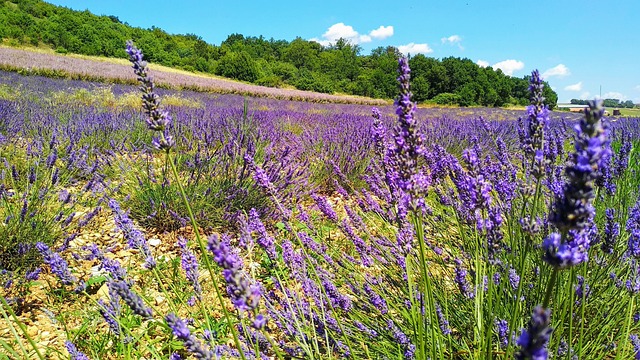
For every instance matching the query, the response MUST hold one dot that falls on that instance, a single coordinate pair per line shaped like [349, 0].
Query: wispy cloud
[615, 95]
[413, 48]
[453, 40]
[585, 95]
[575, 87]
[509, 66]
[347, 32]
[559, 70]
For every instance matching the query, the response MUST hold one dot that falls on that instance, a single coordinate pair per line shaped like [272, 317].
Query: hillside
[29, 61]
[305, 65]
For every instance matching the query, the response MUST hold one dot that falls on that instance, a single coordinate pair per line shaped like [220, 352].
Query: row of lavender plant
[459, 246]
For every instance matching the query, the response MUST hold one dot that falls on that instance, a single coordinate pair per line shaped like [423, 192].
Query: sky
[582, 48]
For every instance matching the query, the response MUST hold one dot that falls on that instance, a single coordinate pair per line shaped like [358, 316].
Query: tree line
[609, 103]
[306, 65]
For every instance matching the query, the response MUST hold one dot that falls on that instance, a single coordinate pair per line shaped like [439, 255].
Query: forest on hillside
[305, 65]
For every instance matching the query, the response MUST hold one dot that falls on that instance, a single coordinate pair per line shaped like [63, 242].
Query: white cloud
[585, 95]
[559, 70]
[451, 39]
[574, 87]
[347, 32]
[482, 63]
[413, 48]
[637, 87]
[382, 32]
[509, 66]
[614, 95]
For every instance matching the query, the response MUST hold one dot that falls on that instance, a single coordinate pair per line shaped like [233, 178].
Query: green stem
[21, 326]
[203, 248]
[550, 285]
[435, 346]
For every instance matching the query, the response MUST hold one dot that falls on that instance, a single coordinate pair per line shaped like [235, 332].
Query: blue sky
[579, 46]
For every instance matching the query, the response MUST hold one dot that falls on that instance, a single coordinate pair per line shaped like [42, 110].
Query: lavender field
[146, 223]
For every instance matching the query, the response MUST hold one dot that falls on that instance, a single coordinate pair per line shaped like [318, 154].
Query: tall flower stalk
[572, 215]
[158, 121]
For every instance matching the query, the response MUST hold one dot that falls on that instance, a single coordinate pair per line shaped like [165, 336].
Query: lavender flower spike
[189, 264]
[181, 331]
[58, 265]
[74, 352]
[245, 296]
[132, 299]
[538, 115]
[572, 211]
[157, 120]
[407, 139]
[134, 237]
[533, 341]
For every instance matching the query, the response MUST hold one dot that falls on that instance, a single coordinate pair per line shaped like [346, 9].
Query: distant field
[630, 112]
[48, 63]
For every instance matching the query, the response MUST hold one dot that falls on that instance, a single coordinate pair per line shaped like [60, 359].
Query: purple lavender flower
[566, 254]
[502, 328]
[402, 340]
[444, 323]
[582, 290]
[379, 134]
[611, 232]
[110, 312]
[461, 279]
[33, 275]
[370, 332]
[325, 207]
[514, 278]
[622, 158]
[175, 356]
[58, 265]
[133, 300]
[74, 352]
[376, 300]
[264, 239]
[85, 220]
[496, 278]
[157, 120]
[533, 341]
[189, 264]
[259, 322]
[181, 331]
[633, 227]
[244, 294]
[538, 116]
[407, 140]
[135, 238]
[635, 341]
[572, 211]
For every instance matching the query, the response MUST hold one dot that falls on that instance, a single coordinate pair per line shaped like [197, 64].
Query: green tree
[238, 66]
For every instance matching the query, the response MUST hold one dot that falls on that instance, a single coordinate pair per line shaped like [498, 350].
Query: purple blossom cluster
[573, 211]
[189, 264]
[181, 331]
[157, 120]
[135, 238]
[57, 263]
[245, 294]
